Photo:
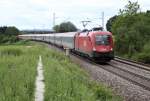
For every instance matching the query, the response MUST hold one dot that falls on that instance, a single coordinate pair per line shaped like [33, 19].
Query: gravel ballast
[129, 91]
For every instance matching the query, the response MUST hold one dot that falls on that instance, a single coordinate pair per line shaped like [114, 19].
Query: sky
[38, 14]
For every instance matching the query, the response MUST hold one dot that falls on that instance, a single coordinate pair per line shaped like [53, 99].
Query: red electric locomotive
[96, 44]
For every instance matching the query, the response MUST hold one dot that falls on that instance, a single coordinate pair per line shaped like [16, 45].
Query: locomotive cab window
[102, 39]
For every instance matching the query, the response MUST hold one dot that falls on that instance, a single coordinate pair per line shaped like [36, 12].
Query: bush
[8, 39]
[144, 56]
[8, 35]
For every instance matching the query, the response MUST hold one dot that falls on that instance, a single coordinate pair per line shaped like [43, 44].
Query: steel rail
[134, 78]
[133, 63]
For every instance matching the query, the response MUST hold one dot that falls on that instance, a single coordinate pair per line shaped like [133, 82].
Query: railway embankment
[129, 86]
[67, 81]
[128, 80]
[64, 80]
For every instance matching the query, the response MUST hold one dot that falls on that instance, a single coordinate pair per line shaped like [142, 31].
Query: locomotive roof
[95, 32]
[102, 32]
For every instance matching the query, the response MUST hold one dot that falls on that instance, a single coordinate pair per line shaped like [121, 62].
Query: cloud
[38, 13]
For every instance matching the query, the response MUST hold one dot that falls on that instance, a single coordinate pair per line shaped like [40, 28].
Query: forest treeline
[65, 27]
[8, 34]
[131, 29]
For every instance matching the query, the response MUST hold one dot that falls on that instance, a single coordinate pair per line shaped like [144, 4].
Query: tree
[132, 32]
[56, 28]
[148, 11]
[8, 34]
[65, 27]
[12, 31]
[3, 29]
[130, 9]
[110, 22]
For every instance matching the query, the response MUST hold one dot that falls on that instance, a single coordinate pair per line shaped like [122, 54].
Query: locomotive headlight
[94, 49]
[111, 49]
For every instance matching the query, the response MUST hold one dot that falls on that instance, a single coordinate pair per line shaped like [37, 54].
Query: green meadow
[17, 72]
[64, 80]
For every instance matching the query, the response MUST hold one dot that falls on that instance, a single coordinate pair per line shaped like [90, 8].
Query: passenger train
[95, 44]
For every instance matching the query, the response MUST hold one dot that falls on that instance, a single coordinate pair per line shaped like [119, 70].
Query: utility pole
[54, 24]
[54, 19]
[102, 19]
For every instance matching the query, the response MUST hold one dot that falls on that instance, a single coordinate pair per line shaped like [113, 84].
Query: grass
[64, 80]
[17, 72]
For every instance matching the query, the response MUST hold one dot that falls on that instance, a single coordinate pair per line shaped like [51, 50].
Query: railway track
[133, 63]
[134, 77]
[131, 76]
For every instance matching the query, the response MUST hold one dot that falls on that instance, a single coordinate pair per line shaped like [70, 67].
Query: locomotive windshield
[102, 40]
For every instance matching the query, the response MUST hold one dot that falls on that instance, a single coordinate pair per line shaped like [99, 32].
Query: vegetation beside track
[64, 80]
[131, 29]
[17, 72]
[8, 34]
